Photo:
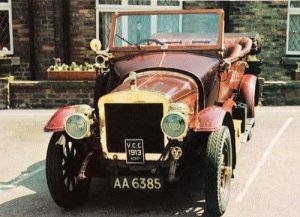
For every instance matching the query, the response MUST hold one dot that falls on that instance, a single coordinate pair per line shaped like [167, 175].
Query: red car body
[201, 94]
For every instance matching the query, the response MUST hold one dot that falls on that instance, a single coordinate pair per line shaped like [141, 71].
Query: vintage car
[170, 87]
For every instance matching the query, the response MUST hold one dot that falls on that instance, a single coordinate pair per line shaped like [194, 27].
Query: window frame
[291, 11]
[124, 7]
[7, 6]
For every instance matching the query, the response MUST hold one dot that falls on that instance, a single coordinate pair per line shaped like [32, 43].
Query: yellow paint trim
[237, 132]
[129, 96]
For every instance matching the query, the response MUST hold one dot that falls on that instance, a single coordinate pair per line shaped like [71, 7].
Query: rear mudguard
[56, 122]
[247, 91]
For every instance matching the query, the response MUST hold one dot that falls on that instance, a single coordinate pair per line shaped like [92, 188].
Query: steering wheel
[148, 40]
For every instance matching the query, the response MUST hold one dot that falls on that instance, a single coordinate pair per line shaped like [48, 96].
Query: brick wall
[55, 94]
[281, 93]
[269, 19]
[43, 49]
[49, 37]
[59, 33]
[44, 45]
[3, 93]
[50, 94]
[82, 29]
[203, 4]
[21, 39]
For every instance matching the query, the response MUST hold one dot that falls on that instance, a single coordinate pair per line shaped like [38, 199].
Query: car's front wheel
[218, 171]
[63, 162]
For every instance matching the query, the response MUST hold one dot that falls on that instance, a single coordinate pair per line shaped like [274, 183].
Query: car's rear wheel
[63, 162]
[218, 171]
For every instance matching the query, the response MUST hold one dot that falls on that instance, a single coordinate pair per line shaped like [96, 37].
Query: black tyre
[63, 162]
[218, 171]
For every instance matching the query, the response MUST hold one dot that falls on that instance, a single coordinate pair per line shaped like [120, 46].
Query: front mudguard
[210, 119]
[213, 118]
[56, 122]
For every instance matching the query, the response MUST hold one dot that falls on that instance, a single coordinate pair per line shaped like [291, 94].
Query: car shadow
[184, 198]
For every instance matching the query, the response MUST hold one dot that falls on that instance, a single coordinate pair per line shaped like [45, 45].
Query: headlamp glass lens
[76, 126]
[173, 125]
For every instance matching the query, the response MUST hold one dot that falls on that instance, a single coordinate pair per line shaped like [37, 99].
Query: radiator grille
[134, 121]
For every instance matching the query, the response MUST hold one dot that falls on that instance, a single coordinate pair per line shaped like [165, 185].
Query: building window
[6, 37]
[293, 28]
[105, 9]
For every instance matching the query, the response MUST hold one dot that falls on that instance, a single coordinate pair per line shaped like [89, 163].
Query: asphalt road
[266, 179]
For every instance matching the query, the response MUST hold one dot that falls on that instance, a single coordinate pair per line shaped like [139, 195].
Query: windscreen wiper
[128, 42]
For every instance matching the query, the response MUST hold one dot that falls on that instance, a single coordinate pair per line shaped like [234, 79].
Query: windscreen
[167, 30]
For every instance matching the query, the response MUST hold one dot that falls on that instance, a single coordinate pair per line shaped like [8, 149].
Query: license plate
[134, 151]
[137, 183]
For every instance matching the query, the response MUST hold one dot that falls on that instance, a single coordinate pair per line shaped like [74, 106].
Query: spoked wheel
[63, 162]
[218, 171]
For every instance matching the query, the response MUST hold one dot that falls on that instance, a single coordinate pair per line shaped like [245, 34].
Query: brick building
[42, 30]
[37, 31]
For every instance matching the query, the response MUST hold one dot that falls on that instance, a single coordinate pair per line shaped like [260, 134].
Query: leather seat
[232, 52]
[237, 47]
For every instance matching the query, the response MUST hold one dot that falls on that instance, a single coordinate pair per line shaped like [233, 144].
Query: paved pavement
[266, 179]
